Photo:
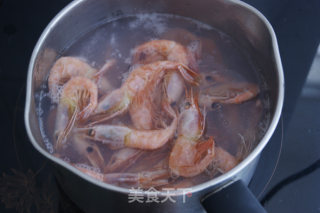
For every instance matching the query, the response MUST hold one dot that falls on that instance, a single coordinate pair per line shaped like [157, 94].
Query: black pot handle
[235, 197]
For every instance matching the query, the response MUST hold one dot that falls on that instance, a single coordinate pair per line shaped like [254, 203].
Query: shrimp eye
[91, 132]
[215, 106]
[209, 78]
[187, 105]
[89, 149]
[142, 56]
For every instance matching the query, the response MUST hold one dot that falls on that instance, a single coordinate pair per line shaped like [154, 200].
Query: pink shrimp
[89, 150]
[141, 82]
[121, 136]
[143, 179]
[228, 93]
[161, 50]
[158, 50]
[78, 100]
[191, 155]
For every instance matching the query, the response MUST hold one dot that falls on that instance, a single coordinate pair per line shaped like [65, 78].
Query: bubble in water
[127, 60]
[87, 167]
[39, 111]
[112, 40]
[116, 53]
[55, 97]
[46, 141]
[66, 159]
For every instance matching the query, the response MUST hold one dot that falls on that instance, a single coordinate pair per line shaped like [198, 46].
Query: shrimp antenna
[67, 130]
[83, 128]
[105, 68]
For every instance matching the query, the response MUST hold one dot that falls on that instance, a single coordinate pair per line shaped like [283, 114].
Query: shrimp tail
[223, 160]
[202, 116]
[193, 98]
[205, 149]
[189, 75]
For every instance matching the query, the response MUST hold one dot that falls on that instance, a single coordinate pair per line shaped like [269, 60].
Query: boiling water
[236, 128]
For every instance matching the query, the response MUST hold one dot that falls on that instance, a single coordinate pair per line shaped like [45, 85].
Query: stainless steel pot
[245, 24]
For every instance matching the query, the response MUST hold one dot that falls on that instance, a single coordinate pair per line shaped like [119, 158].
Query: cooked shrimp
[123, 158]
[191, 155]
[77, 102]
[89, 150]
[228, 93]
[120, 136]
[141, 82]
[67, 67]
[159, 50]
[143, 179]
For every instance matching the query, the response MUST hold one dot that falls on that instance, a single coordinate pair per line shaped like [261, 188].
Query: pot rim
[216, 181]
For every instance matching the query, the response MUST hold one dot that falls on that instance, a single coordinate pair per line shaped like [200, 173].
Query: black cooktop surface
[27, 183]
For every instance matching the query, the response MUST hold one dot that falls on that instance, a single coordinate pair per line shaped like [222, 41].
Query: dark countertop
[26, 181]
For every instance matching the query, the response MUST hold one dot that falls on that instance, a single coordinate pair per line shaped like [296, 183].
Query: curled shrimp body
[67, 67]
[191, 155]
[78, 100]
[120, 136]
[141, 83]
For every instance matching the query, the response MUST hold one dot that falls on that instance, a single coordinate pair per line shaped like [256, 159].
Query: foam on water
[55, 97]
[41, 118]
[153, 22]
